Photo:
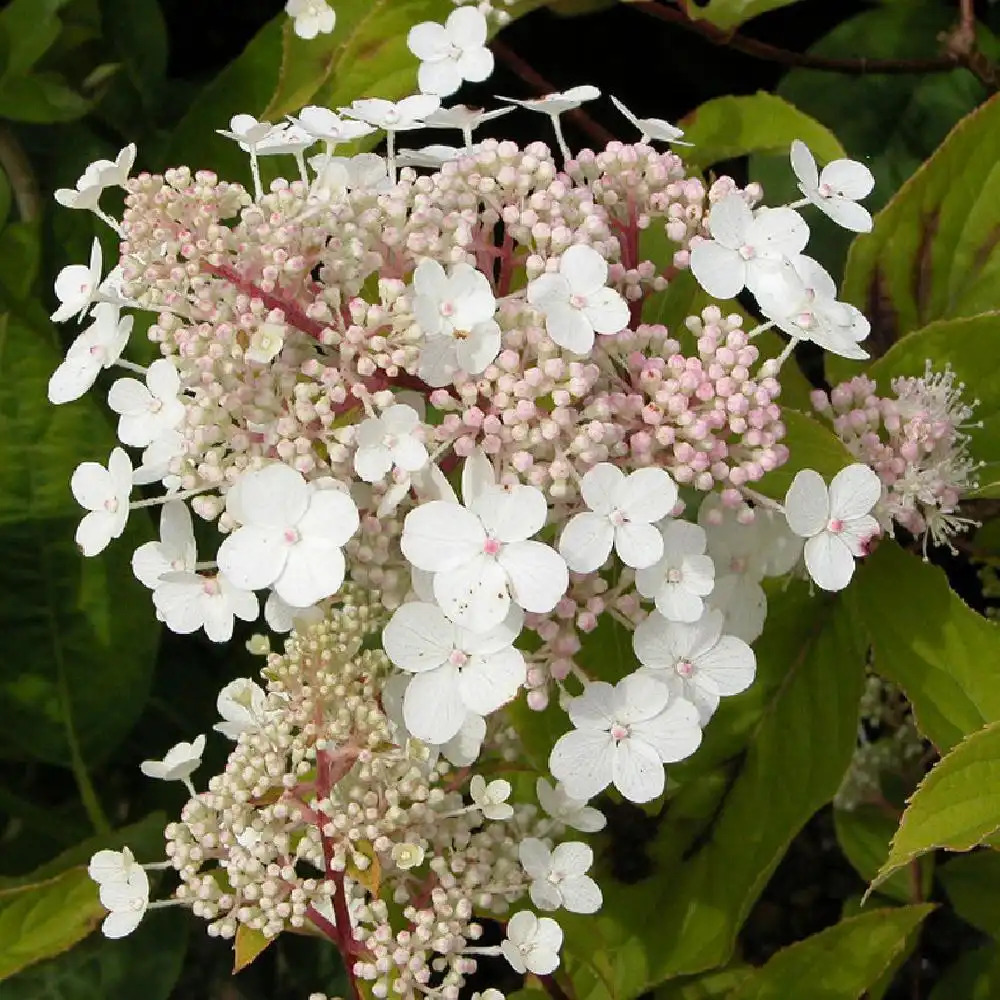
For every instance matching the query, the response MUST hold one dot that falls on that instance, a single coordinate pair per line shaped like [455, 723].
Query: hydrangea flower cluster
[441, 447]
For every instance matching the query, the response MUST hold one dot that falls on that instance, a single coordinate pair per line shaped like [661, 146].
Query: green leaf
[28, 29]
[864, 835]
[711, 986]
[41, 920]
[933, 253]
[5, 198]
[83, 628]
[138, 33]
[811, 445]
[929, 642]
[972, 883]
[146, 964]
[20, 241]
[729, 127]
[248, 945]
[955, 807]
[799, 740]
[731, 13]
[891, 122]
[42, 98]
[974, 976]
[839, 963]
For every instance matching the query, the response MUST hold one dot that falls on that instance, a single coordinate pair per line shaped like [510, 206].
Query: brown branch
[17, 167]
[953, 57]
[541, 87]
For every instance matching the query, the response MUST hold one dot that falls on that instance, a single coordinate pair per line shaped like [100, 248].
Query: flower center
[458, 658]
[747, 252]
[805, 319]
[836, 526]
[824, 190]
[291, 535]
[391, 116]
[155, 405]
[447, 308]
[619, 732]
[97, 351]
[491, 546]
[578, 301]
[673, 575]
[111, 505]
[210, 585]
[617, 518]
[177, 564]
[684, 668]
[738, 564]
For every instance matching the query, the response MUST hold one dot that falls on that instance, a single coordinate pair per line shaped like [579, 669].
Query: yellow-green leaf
[249, 943]
[41, 920]
[955, 807]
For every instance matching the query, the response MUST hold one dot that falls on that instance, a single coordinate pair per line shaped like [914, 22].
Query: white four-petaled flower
[104, 492]
[576, 301]
[175, 552]
[452, 52]
[622, 511]
[99, 175]
[532, 943]
[97, 348]
[481, 557]
[126, 900]
[456, 671]
[147, 411]
[455, 314]
[76, 286]
[837, 189]
[389, 440]
[241, 703]
[394, 116]
[742, 242]
[683, 576]
[491, 798]
[836, 522]
[311, 17]
[623, 735]
[565, 809]
[291, 535]
[652, 128]
[559, 877]
[187, 601]
[695, 660]
[178, 764]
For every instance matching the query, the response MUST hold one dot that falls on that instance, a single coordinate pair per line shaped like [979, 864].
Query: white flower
[801, 298]
[247, 131]
[559, 877]
[489, 994]
[741, 242]
[241, 704]
[836, 522]
[576, 302]
[76, 286]
[431, 157]
[99, 175]
[156, 461]
[565, 809]
[96, 348]
[175, 552]
[557, 103]
[389, 440]
[284, 138]
[457, 672]
[291, 536]
[836, 190]
[180, 762]
[695, 659]
[364, 172]
[187, 601]
[452, 52]
[491, 798]
[481, 558]
[465, 746]
[684, 575]
[147, 411]
[283, 617]
[622, 511]
[104, 492]
[532, 943]
[455, 314]
[266, 342]
[322, 123]
[312, 17]
[110, 867]
[652, 128]
[624, 735]
[394, 116]
[407, 856]
[464, 118]
[126, 902]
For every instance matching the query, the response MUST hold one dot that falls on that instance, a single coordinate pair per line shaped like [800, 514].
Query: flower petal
[719, 270]
[730, 664]
[804, 164]
[829, 561]
[582, 761]
[637, 771]
[606, 311]
[807, 503]
[569, 327]
[586, 541]
[848, 178]
[488, 682]
[638, 545]
[729, 221]
[441, 536]
[314, 569]
[537, 573]
[474, 595]
[647, 494]
[854, 491]
[584, 269]
[418, 637]
[432, 706]
[673, 734]
[254, 557]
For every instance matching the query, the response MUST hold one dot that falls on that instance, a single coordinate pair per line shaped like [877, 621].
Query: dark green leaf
[731, 13]
[138, 33]
[41, 98]
[28, 29]
[972, 883]
[975, 976]
[926, 640]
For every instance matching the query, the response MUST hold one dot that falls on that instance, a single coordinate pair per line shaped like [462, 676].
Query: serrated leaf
[729, 127]
[929, 642]
[934, 252]
[249, 943]
[955, 807]
[839, 963]
[370, 877]
[44, 919]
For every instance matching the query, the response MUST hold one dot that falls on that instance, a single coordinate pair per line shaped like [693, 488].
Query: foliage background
[747, 857]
